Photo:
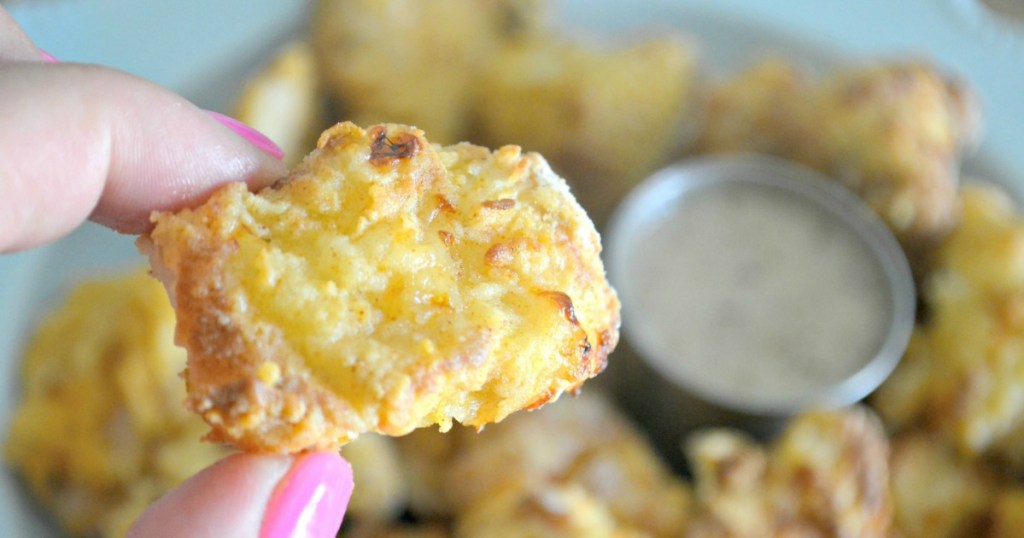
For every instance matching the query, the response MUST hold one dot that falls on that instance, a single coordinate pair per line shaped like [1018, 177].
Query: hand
[80, 142]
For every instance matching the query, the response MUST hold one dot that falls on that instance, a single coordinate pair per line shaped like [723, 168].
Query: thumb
[255, 495]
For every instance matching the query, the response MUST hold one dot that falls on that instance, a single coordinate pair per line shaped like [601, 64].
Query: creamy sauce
[758, 293]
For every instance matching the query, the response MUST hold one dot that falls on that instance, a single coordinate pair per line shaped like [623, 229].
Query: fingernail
[311, 499]
[47, 57]
[257, 138]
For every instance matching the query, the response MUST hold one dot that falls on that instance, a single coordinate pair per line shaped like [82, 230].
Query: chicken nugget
[582, 442]
[410, 61]
[894, 133]
[100, 432]
[962, 378]
[385, 285]
[761, 109]
[605, 118]
[827, 475]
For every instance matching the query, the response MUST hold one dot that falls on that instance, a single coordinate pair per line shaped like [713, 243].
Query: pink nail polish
[47, 57]
[257, 138]
[311, 499]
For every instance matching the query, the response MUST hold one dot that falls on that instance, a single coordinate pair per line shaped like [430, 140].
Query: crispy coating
[963, 377]
[606, 119]
[936, 493]
[413, 62]
[894, 133]
[282, 101]
[826, 476]
[386, 285]
[100, 432]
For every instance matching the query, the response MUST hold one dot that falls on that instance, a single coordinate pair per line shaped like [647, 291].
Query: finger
[250, 495]
[15, 46]
[79, 141]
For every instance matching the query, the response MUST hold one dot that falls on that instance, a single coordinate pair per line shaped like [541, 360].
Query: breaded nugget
[964, 376]
[282, 101]
[581, 444]
[894, 133]
[936, 493]
[605, 119]
[827, 475]
[100, 432]
[729, 481]
[387, 284]
[413, 62]
[830, 472]
[763, 109]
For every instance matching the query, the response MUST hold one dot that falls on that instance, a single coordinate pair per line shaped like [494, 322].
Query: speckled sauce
[751, 290]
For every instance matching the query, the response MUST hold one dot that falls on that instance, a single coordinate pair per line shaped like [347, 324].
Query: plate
[234, 36]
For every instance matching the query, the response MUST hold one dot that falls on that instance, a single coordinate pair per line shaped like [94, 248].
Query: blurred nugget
[962, 377]
[827, 475]
[935, 492]
[282, 101]
[100, 432]
[894, 133]
[410, 61]
[760, 109]
[605, 118]
[576, 468]
[386, 285]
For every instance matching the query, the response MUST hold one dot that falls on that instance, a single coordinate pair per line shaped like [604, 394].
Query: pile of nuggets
[574, 468]
[937, 451]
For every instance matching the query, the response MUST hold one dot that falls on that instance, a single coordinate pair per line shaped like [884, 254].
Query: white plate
[227, 38]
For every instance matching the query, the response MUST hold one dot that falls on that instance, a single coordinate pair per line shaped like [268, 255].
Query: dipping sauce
[749, 289]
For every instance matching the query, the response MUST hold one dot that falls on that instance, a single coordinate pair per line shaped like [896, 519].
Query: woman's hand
[84, 142]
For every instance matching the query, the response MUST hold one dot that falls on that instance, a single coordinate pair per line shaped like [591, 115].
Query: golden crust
[387, 284]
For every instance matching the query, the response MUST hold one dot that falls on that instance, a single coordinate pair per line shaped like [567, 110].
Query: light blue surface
[171, 42]
[197, 47]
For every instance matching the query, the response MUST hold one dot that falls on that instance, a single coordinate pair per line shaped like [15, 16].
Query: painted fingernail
[311, 499]
[47, 57]
[257, 138]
